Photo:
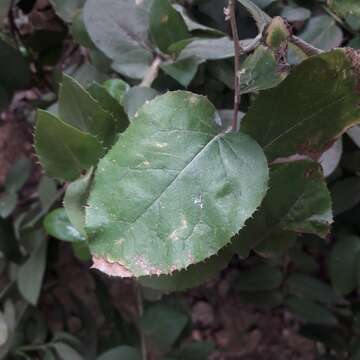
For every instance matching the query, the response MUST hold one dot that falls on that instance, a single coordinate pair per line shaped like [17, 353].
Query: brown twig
[307, 48]
[230, 15]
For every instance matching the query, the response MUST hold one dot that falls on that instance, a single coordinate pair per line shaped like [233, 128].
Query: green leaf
[311, 288]
[66, 352]
[295, 13]
[31, 273]
[122, 352]
[7, 204]
[67, 9]
[260, 71]
[322, 32]
[111, 105]
[18, 175]
[345, 194]
[301, 205]
[57, 224]
[75, 200]
[182, 71]
[117, 88]
[120, 29]
[266, 299]
[309, 109]
[342, 263]
[184, 188]
[64, 151]
[79, 109]
[47, 192]
[311, 312]
[260, 278]
[162, 325]
[303, 261]
[199, 350]
[345, 7]
[166, 25]
[79, 32]
[136, 97]
[193, 276]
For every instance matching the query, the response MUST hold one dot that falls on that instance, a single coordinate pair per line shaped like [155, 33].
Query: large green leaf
[79, 109]
[64, 151]
[309, 109]
[193, 276]
[301, 205]
[120, 29]
[345, 7]
[166, 25]
[343, 263]
[173, 189]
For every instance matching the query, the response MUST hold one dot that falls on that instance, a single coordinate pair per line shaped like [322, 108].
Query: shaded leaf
[199, 350]
[7, 204]
[260, 278]
[166, 25]
[162, 325]
[57, 224]
[345, 194]
[66, 352]
[136, 97]
[260, 71]
[309, 109]
[301, 205]
[31, 273]
[311, 312]
[120, 29]
[260, 17]
[193, 276]
[8, 243]
[322, 32]
[266, 298]
[116, 88]
[122, 352]
[75, 200]
[64, 151]
[175, 139]
[79, 109]
[67, 9]
[47, 192]
[311, 288]
[343, 262]
[18, 175]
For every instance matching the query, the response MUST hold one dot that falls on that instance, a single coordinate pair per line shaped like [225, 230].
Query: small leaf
[193, 276]
[312, 107]
[345, 194]
[117, 88]
[260, 278]
[136, 97]
[301, 205]
[166, 25]
[311, 288]
[111, 105]
[75, 200]
[7, 204]
[79, 109]
[185, 188]
[162, 325]
[342, 264]
[122, 352]
[18, 175]
[260, 71]
[120, 29]
[66, 352]
[64, 151]
[311, 312]
[57, 224]
[8, 243]
[31, 273]
[322, 32]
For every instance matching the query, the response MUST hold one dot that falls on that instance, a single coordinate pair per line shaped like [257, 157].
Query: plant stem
[152, 72]
[307, 48]
[237, 50]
